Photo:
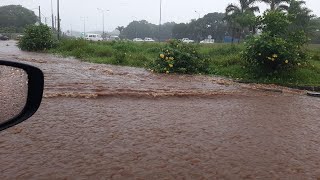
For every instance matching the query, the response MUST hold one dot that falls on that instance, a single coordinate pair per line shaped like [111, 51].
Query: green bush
[277, 48]
[178, 57]
[270, 54]
[37, 38]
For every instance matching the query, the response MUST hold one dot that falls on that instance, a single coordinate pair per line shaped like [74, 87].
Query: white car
[187, 40]
[207, 41]
[114, 38]
[93, 37]
[137, 40]
[148, 40]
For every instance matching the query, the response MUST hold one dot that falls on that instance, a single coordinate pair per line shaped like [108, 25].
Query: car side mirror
[21, 90]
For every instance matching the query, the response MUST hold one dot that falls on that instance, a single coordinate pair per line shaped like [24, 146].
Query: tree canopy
[213, 24]
[143, 29]
[14, 18]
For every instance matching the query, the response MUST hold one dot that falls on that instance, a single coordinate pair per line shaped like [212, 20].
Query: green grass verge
[224, 60]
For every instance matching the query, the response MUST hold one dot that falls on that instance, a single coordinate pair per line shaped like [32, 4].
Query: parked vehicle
[137, 40]
[187, 40]
[114, 38]
[3, 37]
[148, 39]
[207, 41]
[19, 37]
[94, 37]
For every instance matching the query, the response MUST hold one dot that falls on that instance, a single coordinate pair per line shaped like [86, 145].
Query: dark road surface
[110, 122]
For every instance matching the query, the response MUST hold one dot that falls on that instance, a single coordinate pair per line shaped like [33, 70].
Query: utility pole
[103, 11]
[39, 15]
[71, 30]
[58, 14]
[55, 21]
[52, 17]
[160, 20]
[84, 25]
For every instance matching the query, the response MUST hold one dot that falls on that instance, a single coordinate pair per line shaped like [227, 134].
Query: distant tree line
[143, 29]
[238, 21]
[212, 24]
[14, 18]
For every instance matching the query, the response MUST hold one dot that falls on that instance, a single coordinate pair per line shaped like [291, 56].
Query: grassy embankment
[224, 60]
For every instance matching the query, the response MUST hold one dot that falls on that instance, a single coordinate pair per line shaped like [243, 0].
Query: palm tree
[236, 14]
[299, 14]
[276, 4]
[245, 6]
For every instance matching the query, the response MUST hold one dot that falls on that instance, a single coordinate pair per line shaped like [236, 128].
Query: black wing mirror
[21, 90]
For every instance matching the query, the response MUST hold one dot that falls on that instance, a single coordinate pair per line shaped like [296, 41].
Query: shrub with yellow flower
[178, 57]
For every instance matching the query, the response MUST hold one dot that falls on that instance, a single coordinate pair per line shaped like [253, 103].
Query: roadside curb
[313, 94]
[312, 89]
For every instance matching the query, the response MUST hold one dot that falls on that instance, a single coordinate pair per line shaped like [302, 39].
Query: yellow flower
[286, 61]
[272, 59]
[167, 58]
[171, 58]
[274, 55]
[167, 72]
[171, 65]
[162, 56]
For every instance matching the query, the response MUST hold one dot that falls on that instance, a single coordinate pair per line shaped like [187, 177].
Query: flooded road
[110, 122]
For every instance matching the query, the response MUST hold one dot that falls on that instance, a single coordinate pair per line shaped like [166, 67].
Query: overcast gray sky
[124, 11]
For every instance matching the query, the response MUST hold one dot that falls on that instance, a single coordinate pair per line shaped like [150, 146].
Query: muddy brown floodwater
[110, 122]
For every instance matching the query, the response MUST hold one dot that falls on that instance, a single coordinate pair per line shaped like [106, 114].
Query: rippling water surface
[110, 122]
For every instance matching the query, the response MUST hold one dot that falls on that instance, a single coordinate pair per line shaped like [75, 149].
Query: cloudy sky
[121, 12]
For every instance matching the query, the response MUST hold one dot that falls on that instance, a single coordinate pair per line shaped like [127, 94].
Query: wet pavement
[111, 122]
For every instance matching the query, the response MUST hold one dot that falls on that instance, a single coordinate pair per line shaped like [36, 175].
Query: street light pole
[39, 15]
[52, 17]
[103, 22]
[160, 21]
[58, 14]
[84, 25]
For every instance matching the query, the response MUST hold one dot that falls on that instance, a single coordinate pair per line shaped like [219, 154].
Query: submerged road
[110, 122]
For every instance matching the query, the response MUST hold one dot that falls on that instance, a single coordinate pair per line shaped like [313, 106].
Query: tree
[315, 30]
[277, 4]
[139, 29]
[120, 29]
[16, 17]
[241, 17]
[143, 29]
[213, 24]
[37, 38]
